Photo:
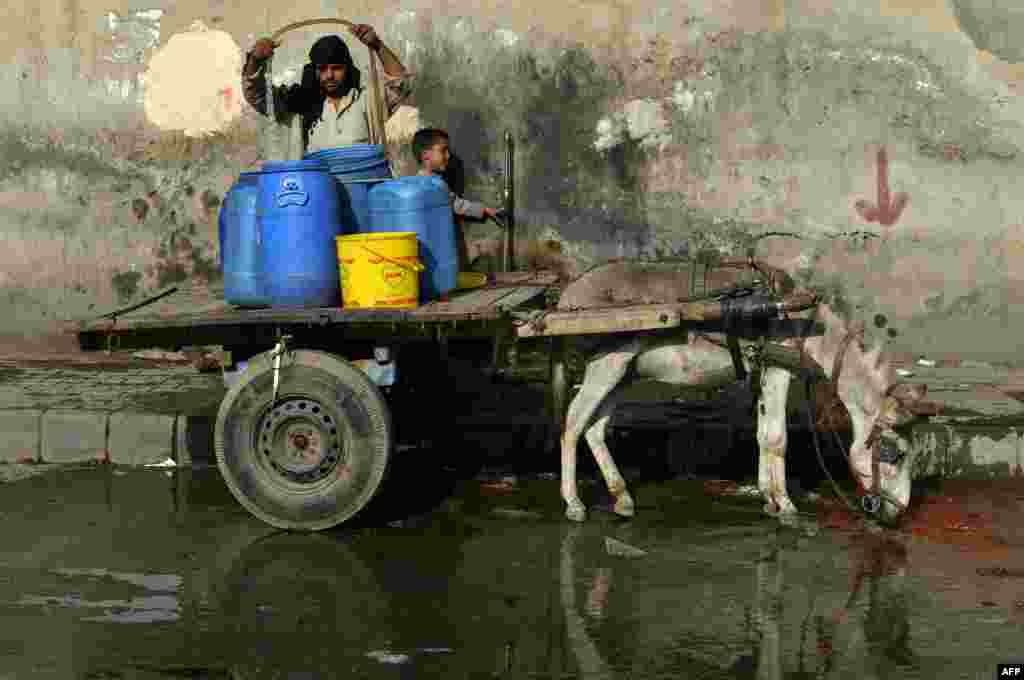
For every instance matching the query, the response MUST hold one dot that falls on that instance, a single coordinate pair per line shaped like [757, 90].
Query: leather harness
[870, 498]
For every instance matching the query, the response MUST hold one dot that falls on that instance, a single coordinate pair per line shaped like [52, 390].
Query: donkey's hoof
[576, 512]
[624, 506]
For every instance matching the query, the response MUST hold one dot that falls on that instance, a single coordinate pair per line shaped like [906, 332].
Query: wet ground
[110, 573]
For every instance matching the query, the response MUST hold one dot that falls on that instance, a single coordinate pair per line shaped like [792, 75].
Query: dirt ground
[979, 515]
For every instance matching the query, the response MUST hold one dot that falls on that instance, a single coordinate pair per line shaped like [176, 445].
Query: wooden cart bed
[201, 311]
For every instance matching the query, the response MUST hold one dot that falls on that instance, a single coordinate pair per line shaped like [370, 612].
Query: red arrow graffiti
[888, 208]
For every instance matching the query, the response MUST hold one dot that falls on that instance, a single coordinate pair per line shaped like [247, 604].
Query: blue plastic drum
[240, 248]
[421, 203]
[298, 221]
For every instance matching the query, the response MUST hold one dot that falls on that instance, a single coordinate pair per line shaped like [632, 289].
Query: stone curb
[120, 437]
[138, 439]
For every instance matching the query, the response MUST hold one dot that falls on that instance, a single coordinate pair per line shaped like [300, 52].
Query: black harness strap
[733, 343]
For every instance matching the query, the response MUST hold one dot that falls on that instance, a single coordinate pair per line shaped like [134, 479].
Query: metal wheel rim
[300, 442]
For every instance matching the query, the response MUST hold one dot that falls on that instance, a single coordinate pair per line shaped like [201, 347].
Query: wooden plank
[616, 320]
[528, 278]
[480, 300]
[198, 306]
[520, 296]
[643, 317]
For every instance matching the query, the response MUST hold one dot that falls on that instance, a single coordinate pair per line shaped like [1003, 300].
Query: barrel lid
[427, 190]
[293, 166]
[350, 152]
[413, 180]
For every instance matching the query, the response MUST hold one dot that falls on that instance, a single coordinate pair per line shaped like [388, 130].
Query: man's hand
[366, 35]
[264, 49]
[490, 213]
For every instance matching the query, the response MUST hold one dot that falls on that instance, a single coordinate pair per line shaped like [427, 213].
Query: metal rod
[139, 305]
[510, 219]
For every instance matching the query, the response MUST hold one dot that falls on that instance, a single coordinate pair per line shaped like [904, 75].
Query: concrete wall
[647, 128]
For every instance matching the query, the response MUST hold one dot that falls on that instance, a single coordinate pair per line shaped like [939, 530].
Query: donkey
[864, 385]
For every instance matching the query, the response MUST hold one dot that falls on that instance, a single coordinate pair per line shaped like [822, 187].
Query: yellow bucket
[379, 269]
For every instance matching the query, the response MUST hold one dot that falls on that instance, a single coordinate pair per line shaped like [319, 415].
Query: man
[331, 100]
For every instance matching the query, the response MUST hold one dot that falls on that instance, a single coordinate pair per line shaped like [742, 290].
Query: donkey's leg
[771, 441]
[601, 377]
[767, 607]
[596, 436]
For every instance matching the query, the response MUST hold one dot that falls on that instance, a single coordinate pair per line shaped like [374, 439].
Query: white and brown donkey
[862, 380]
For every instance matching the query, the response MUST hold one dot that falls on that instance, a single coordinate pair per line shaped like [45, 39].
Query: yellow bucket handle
[416, 266]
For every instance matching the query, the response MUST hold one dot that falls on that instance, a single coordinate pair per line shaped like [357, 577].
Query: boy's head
[430, 146]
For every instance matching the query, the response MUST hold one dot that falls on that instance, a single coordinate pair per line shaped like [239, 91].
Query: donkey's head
[879, 408]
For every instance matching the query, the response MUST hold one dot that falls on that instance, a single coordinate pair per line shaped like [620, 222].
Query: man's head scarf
[308, 97]
[330, 49]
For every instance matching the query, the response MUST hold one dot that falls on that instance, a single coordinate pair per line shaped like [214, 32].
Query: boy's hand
[490, 213]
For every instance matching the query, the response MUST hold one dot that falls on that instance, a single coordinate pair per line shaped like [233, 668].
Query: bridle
[870, 499]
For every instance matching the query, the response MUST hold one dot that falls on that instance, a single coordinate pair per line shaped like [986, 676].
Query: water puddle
[144, 609]
[147, 576]
[154, 609]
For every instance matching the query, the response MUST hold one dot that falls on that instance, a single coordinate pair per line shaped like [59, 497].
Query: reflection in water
[790, 626]
[589, 659]
[460, 591]
[160, 608]
[154, 609]
[878, 643]
[310, 588]
[880, 567]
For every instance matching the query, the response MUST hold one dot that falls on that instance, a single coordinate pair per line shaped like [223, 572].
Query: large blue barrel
[421, 203]
[298, 220]
[356, 167]
[240, 251]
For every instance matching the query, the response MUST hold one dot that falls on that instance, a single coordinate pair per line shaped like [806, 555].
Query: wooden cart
[304, 436]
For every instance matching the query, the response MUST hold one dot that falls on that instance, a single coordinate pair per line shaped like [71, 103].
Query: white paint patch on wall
[194, 83]
[682, 97]
[507, 38]
[646, 122]
[134, 35]
[610, 133]
[125, 89]
[642, 120]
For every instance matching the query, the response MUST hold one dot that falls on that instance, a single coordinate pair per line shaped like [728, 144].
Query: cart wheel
[314, 458]
[290, 586]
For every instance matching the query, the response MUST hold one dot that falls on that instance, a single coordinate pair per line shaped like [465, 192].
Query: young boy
[430, 147]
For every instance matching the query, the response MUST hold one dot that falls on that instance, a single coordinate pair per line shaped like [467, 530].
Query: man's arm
[254, 83]
[397, 83]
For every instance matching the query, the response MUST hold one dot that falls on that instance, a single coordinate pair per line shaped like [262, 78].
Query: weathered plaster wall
[645, 128]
